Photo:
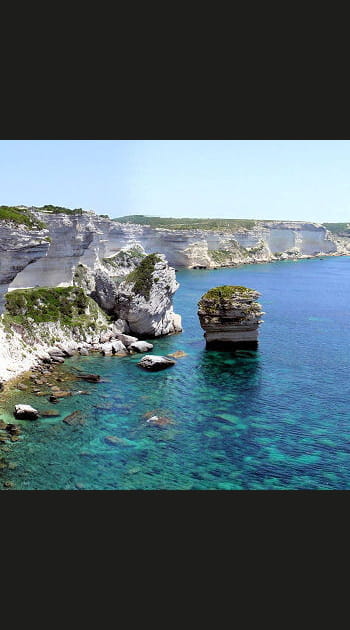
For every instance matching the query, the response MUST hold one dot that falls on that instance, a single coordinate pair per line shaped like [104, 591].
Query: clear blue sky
[277, 179]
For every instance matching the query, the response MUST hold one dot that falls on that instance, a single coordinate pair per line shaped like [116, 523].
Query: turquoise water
[275, 418]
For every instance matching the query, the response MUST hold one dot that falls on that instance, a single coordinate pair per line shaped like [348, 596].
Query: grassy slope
[67, 305]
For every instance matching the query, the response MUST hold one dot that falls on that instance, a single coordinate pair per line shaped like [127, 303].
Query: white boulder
[155, 362]
[141, 346]
[118, 346]
[25, 412]
[107, 349]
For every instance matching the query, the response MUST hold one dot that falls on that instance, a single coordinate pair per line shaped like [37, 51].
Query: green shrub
[45, 304]
[141, 277]
[218, 297]
[59, 210]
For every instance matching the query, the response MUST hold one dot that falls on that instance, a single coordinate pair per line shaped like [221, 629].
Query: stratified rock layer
[19, 248]
[230, 316]
[144, 300]
[98, 242]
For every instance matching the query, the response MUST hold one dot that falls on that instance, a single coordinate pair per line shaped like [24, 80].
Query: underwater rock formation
[230, 317]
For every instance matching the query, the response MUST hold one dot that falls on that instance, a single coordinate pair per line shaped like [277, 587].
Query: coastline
[19, 365]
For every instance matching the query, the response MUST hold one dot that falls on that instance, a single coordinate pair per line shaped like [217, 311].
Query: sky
[298, 180]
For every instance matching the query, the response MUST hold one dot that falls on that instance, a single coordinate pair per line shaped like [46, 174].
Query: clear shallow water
[278, 418]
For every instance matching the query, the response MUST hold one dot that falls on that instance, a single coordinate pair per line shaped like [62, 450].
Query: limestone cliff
[140, 300]
[20, 247]
[230, 316]
[95, 242]
[36, 320]
[144, 298]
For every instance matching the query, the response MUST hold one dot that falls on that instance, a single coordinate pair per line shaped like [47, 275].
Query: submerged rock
[61, 394]
[154, 363]
[13, 429]
[113, 440]
[25, 412]
[49, 413]
[230, 316]
[91, 378]
[159, 421]
[178, 354]
[74, 418]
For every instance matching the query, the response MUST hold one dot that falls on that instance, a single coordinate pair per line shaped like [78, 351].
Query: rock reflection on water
[240, 368]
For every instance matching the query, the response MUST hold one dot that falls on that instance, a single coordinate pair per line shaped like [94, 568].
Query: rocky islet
[230, 317]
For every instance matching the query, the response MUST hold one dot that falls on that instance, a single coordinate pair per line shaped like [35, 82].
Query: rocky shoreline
[109, 314]
[111, 342]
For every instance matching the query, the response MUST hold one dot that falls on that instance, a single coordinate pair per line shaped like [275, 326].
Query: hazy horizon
[295, 180]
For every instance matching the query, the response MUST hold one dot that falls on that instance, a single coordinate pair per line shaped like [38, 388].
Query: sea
[275, 418]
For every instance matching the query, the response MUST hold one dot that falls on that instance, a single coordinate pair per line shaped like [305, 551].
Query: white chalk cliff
[88, 239]
[98, 254]
[19, 247]
[153, 315]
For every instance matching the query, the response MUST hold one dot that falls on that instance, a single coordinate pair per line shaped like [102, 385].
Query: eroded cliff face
[19, 248]
[88, 239]
[141, 299]
[150, 313]
[230, 317]
[74, 240]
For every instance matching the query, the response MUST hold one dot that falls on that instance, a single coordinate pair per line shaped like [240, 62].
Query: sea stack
[230, 317]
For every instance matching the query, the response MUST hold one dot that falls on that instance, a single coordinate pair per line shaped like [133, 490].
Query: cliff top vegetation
[49, 209]
[142, 275]
[338, 228]
[20, 216]
[188, 224]
[227, 292]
